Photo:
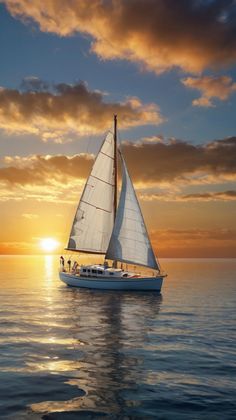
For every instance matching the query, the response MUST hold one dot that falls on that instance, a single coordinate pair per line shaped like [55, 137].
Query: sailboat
[117, 232]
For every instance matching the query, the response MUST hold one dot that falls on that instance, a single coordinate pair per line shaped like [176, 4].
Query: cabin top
[97, 270]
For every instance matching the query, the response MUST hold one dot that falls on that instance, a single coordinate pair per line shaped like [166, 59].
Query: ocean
[68, 353]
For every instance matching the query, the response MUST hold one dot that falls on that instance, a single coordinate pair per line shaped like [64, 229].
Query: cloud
[30, 216]
[148, 162]
[229, 195]
[201, 243]
[152, 139]
[63, 108]
[40, 170]
[44, 178]
[193, 234]
[16, 247]
[210, 87]
[156, 34]
[178, 160]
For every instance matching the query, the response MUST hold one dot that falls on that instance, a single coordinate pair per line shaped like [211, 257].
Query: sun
[49, 244]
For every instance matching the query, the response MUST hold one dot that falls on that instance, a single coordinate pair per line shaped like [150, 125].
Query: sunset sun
[49, 244]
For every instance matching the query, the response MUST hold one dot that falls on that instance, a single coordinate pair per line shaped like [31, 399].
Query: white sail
[129, 240]
[93, 222]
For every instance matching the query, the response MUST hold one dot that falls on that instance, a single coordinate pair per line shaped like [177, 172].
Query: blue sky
[145, 49]
[27, 51]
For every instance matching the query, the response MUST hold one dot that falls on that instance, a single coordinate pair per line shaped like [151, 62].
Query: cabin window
[94, 271]
[111, 274]
[84, 270]
[88, 271]
[99, 271]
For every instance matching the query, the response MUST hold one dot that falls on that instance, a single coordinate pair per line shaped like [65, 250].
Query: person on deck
[62, 261]
[74, 267]
[69, 264]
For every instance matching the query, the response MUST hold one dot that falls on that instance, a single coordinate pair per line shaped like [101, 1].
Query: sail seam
[99, 208]
[107, 155]
[99, 179]
[126, 237]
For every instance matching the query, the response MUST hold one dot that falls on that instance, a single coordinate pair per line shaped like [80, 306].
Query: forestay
[93, 222]
[129, 241]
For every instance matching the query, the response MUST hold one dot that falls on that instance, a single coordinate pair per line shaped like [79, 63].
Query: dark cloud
[221, 195]
[158, 34]
[155, 162]
[148, 163]
[62, 108]
[195, 234]
[40, 170]
[34, 84]
[229, 195]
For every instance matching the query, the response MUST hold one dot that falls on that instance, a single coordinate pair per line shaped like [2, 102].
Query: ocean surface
[67, 353]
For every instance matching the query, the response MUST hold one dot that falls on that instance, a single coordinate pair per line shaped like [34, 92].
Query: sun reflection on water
[48, 265]
[113, 327]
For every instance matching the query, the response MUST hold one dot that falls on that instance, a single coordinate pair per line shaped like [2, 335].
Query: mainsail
[94, 218]
[129, 240]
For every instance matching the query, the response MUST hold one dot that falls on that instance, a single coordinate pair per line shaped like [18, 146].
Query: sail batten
[129, 240]
[93, 222]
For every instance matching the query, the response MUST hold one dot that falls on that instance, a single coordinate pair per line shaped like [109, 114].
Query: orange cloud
[44, 178]
[157, 34]
[201, 243]
[178, 160]
[210, 87]
[159, 162]
[229, 195]
[30, 216]
[41, 170]
[17, 247]
[65, 108]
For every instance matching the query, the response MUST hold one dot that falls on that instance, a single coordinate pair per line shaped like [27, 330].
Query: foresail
[129, 240]
[93, 222]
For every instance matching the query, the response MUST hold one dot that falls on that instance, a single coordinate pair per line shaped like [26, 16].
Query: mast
[115, 173]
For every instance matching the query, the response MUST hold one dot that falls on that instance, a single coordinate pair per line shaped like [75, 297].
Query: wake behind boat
[119, 233]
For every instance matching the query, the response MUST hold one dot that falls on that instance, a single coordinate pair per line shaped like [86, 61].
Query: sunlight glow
[49, 244]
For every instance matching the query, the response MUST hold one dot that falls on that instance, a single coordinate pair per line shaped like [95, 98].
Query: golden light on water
[49, 244]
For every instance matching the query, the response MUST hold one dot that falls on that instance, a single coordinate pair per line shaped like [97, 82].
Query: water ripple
[69, 353]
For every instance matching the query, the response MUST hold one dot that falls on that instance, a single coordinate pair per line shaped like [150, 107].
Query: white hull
[105, 283]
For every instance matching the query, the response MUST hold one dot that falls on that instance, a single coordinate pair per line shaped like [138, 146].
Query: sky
[167, 69]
